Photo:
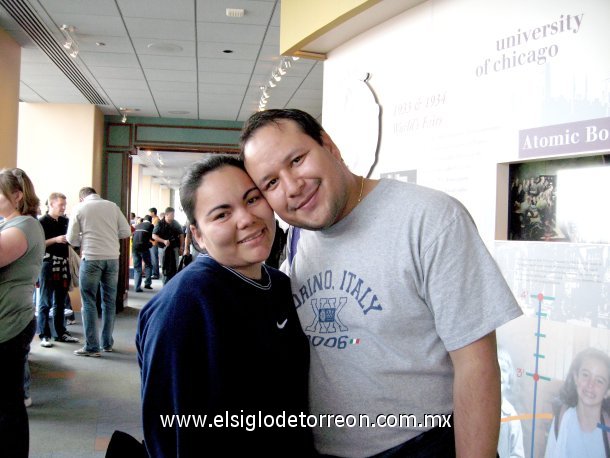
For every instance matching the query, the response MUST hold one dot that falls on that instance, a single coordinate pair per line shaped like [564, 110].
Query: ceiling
[159, 58]
[163, 58]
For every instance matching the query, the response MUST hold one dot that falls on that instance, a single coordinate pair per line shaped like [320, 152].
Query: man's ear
[328, 143]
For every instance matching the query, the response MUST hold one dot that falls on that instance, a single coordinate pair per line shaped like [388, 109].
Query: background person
[223, 336]
[54, 276]
[170, 241]
[401, 317]
[96, 226]
[154, 250]
[21, 250]
[140, 252]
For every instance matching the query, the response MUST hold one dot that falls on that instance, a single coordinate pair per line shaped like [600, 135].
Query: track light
[271, 83]
[124, 118]
[70, 41]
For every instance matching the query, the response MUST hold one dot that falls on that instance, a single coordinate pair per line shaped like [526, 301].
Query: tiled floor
[79, 401]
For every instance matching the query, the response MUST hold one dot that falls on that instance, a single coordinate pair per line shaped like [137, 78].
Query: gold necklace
[361, 188]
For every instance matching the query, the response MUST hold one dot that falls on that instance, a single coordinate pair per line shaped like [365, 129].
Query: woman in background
[221, 344]
[581, 427]
[22, 248]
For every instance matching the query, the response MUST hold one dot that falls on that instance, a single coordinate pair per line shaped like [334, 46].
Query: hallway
[78, 402]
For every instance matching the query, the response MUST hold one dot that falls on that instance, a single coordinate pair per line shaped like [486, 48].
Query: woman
[221, 345]
[580, 428]
[22, 247]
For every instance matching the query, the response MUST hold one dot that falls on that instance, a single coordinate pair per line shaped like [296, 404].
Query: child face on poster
[592, 381]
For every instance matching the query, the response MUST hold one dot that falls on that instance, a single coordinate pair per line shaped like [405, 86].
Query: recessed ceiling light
[227, 51]
[100, 43]
[164, 47]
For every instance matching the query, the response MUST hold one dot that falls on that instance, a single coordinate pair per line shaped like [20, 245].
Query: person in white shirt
[96, 226]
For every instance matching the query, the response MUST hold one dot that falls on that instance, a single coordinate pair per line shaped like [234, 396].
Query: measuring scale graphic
[535, 375]
[537, 356]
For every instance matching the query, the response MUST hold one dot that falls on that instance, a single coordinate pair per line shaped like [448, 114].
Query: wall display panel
[559, 200]
[456, 94]
[463, 86]
[564, 291]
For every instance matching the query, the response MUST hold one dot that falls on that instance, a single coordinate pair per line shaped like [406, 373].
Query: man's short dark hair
[152, 210]
[169, 210]
[147, 218]
[86, 191]
[193, 176]
[307, 123]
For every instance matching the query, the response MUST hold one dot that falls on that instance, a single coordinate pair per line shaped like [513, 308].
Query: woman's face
[234, 221]
[592, 381]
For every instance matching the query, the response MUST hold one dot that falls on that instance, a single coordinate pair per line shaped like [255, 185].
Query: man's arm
[54, 240]
[123, 226]
[476, 398]
[160, 240]
[73, 234]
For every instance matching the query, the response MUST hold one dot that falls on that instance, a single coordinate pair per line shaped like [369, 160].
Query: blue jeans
[94, 273]
[52, 297]
[154, 259]
[138, 257]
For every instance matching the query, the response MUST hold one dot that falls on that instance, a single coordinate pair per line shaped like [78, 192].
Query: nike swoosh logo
[281, 326]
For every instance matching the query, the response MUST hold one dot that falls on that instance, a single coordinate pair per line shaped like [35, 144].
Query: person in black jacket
[221, 347]
[140, 252]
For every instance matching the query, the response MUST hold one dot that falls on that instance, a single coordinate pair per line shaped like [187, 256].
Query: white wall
[60, 148]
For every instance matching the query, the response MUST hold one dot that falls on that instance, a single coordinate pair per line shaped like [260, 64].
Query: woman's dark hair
[305, 121]
[568, 393]
[12, 180]
[193, 176]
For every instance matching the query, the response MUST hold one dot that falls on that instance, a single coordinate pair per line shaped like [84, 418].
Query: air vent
[28, 20]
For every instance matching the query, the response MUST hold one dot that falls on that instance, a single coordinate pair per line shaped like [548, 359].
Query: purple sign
[573, 137]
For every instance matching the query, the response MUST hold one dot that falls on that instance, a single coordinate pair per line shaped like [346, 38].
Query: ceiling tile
[160, 29]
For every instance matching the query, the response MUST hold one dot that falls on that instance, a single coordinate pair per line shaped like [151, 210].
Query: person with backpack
[581, 426]
[140, 252]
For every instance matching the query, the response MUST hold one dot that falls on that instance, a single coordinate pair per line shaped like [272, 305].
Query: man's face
[57, 207]
[304, 182]
[169, 217]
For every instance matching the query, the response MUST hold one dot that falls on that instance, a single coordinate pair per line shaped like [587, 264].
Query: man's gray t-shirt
[383, 295]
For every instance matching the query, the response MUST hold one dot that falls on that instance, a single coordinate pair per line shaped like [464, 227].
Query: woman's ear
[17, 197]
[197, 236]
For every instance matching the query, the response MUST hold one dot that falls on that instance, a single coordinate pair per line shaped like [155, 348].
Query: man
[154, 249]
[170, 236]
[54, 276]
[140, 251]
[396, 291]
[96, 226]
